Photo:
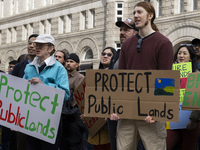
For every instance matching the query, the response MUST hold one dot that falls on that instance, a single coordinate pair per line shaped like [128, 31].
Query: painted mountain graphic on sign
[164, 86]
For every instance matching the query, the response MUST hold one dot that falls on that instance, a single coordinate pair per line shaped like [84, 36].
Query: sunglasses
[108, 54]
[41, 45]
[139, 44]
[186, 45]
[196, 45]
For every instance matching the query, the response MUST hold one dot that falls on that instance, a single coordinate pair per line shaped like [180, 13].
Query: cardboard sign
[93, 124]
[133, 94]
[32, 109]
[191, 98]
[185, 69]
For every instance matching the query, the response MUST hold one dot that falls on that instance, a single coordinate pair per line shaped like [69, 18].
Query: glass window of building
[159, 8]
[88, 54]
[68, 23]
[119, 11]
[181, 6]
[41, 27]
[91, 18]
[9, 35]
[30, 29]
[24, 32]
[117, 46]
[0, 37]
[2, 8]
[195, 4]
[48, 26]
[83, 20]
[61, 24]
[14, 34]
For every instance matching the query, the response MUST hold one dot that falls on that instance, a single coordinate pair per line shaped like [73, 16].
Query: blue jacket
[54, 75]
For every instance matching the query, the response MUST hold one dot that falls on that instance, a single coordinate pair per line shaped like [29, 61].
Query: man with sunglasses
[196, 46]
[147, 50]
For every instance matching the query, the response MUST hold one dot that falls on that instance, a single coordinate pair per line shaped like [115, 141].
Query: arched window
[88, 54]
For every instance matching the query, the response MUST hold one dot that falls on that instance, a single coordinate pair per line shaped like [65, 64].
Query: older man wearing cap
[196, 46]
[73, 127]
[127, 30]
[45, 69]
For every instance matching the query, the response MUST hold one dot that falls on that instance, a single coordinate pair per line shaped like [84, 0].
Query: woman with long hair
[101, 139]
[189, 136]
[106, 56]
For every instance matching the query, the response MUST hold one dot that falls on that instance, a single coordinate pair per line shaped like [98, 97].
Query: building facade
[86, 27]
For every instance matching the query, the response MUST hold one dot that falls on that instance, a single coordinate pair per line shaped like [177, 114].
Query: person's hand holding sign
[35, 81]
[114, 117]
[149, 119]
[82, 118]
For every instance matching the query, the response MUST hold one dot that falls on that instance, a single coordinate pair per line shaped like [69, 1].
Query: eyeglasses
[108, 54]
[196, 45]
[139, 44]
[30, 43]
[11, 66]
[40, 45]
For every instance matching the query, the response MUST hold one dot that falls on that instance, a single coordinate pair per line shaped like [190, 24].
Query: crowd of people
[143, 48]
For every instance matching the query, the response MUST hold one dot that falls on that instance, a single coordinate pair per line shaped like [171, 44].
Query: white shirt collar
[46, 61]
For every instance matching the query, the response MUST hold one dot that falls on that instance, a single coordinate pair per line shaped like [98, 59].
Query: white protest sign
[32, 109]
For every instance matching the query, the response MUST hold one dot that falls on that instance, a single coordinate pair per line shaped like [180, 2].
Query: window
[68, 23]
[52, 1]
[24, 32]
[16, 6]
[2, 8]
[30, 29]
[45, 2]
[88, 54]
[48, 26]
[30, 4]
[119, 11]
[147, 1]
[117, 46]
[12, 7]
[0, 37]
[91, 19]
[195, 4]
[9, 36]
[61, 25]
[41, 27]
[159, 8]
[119, 5]
[181, 6]
[83, 20]
[14, 34]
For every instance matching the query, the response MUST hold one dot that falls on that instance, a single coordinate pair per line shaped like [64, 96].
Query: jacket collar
[50, 62]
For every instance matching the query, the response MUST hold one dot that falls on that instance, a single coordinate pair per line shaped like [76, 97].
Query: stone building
[86, 27]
